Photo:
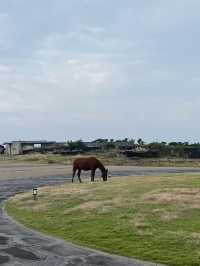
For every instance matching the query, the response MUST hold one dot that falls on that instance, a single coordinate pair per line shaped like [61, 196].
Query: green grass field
[151, 218]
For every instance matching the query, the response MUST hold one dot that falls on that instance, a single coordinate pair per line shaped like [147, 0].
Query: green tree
[140, 142]
[77, 145]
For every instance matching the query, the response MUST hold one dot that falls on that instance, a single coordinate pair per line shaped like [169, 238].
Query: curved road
[20, 246]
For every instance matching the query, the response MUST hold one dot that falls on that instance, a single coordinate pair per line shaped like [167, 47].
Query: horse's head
[105, 175]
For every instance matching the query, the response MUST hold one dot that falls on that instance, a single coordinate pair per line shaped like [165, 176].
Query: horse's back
[86, 163]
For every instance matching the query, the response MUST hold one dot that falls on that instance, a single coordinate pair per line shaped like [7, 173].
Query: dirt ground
[10, 170]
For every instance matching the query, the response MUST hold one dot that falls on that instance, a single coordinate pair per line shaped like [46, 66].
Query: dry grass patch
[140, 222]
[195, 236]
[101, 206]
[86, 206]
[21, 197]
[66, 190]
[168, 216]
[165, 215]
[40, 207]
[189, 196]
[27, 203]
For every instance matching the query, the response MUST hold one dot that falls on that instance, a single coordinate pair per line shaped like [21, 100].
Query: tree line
[140, 147]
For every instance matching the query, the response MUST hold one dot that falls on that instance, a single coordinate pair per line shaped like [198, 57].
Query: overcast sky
[100, 68]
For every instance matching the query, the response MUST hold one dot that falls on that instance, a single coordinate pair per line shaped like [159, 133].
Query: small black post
[35, 193]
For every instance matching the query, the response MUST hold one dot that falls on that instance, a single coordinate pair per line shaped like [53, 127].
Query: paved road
[22, 247]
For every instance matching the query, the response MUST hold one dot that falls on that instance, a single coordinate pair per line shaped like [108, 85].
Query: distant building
[24, 147]
[92, 146]
[2, 149]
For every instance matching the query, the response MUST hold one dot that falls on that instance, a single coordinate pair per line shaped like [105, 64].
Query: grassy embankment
[150, 218]
[108, 158]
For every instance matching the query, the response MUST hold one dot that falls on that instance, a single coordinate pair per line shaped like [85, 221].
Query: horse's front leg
[79, 175]
[92, 175]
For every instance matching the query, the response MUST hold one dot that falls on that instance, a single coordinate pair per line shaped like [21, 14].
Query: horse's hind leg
[79, 175]
[73, 174]
[92, 175]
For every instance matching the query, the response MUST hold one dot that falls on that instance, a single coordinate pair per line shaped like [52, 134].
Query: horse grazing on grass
[88, 164]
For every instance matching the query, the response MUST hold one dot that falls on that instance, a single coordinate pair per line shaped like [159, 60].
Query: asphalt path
[20, 246]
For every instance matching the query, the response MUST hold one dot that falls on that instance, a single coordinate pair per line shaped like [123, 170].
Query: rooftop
[31, 142]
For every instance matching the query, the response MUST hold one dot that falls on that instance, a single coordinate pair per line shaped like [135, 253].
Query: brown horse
[88, 164]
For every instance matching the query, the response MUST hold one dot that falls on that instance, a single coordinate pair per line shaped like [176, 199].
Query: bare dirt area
[10, 170]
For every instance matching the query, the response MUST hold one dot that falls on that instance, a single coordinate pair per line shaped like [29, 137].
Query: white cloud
[99, 69]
